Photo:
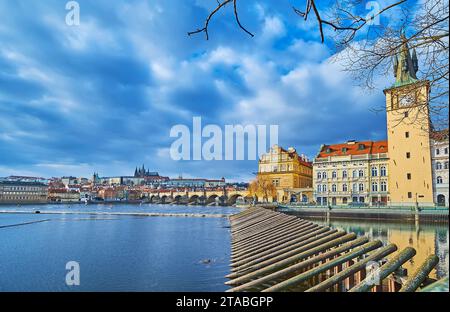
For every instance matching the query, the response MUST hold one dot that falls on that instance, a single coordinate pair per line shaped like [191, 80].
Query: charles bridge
[217, 197]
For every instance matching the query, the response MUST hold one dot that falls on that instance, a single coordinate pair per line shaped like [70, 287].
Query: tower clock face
[405, 100]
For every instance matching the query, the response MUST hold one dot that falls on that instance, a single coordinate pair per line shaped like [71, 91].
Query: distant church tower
[408, 127]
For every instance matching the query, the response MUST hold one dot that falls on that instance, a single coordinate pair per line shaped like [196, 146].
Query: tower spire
[405, 65]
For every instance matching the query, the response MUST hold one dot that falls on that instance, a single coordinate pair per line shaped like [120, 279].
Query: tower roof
[406, 64]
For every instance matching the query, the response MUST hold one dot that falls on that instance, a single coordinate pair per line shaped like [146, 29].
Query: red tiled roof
[344, 149]
[440, 135]
[292, 154]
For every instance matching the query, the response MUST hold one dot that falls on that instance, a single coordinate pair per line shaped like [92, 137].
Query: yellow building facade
[290, 173]
[408, 131]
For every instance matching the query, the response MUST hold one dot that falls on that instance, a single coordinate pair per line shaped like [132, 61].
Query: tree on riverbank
[262, 187]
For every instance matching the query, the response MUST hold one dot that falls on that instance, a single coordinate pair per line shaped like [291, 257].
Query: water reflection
[427, 239]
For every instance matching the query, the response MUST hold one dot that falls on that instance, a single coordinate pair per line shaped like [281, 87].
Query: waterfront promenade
[407, 214]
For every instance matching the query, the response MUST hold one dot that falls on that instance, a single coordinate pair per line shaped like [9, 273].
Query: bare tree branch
[217, 9]
[370, 57]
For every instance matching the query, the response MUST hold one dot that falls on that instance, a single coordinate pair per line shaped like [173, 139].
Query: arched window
[334, 188]
[319, 188]
[355, 187]
[324, 187]
[374, 171]
[334, 174]
[361, 173]
[361, 187]
[344, 174]
[344, 188]
[324, 175]
[446, 165]
[374, 187]
[355, 173]
[383, 171]
[319, 175]
[439, 180]
[437, 151]
[438, 166]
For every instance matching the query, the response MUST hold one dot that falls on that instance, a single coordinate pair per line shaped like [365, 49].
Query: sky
[103, 96]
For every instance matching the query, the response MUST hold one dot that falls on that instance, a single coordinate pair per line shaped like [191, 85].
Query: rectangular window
[408, 176]
[409, 195]
[406, 134]
[408, 155]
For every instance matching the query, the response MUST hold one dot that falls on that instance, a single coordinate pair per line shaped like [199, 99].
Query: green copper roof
[405, 65]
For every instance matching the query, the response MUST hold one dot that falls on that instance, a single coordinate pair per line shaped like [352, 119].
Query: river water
[137, 253]
[115, 253]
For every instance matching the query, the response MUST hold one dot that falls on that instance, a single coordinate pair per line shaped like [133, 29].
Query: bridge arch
[193, 199]
[166, 199]
[154, 198]
[233, 199]
[177, 199]
[211, 199]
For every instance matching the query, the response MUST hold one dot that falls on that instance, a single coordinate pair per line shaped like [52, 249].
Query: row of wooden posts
[272, 251]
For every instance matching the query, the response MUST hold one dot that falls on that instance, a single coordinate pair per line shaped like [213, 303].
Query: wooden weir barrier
[272, 251]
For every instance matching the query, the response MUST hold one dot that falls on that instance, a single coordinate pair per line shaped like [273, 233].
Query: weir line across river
[273, 252]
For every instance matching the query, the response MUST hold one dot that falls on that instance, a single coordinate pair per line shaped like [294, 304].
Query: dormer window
[328, 150]
[344, 150]
[361, 147]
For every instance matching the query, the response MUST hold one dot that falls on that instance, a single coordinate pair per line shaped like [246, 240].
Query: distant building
[69, 181]
[63, 196]
[142, 173]
[185, 183]
[108, 194]
[25, 179]
[194, 183]
[439, 160]
[290, 173]
[352, 172]
[20, 192]
[215, 183]
[141, 177]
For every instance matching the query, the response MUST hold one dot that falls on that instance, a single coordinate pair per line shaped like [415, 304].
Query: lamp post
[417, 201]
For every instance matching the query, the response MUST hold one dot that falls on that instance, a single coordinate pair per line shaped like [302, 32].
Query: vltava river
[115, 253]
[136, 253]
